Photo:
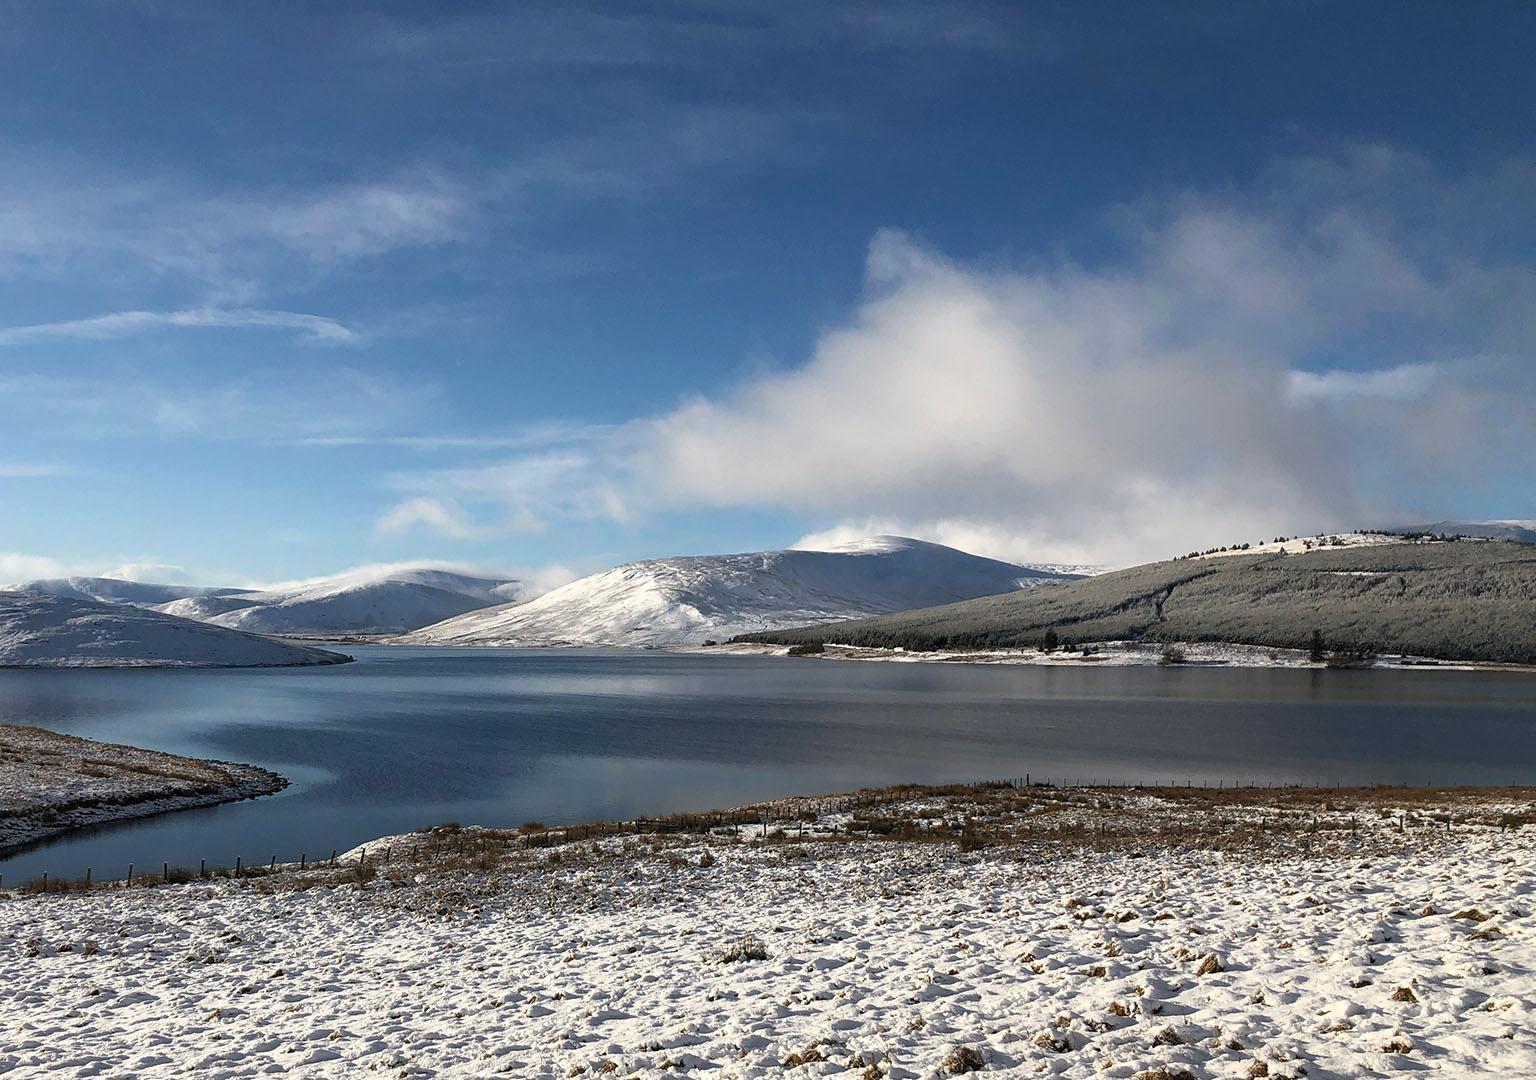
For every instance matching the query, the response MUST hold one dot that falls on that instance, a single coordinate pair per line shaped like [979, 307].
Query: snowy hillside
[44, 630]
[690, 599]
[389, 600]
[116, 591]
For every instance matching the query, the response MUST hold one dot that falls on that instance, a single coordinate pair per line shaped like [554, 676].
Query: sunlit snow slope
[690, 599]
[388, 601]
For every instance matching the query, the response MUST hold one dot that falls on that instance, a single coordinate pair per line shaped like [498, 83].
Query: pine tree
[1319, 652]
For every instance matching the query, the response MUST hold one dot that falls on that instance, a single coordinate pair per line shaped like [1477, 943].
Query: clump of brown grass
[1258, 1069]
[743, 949]
[1168, 1037]
[810, 1054]
[1165, 1072]
[1210, 965]
[962, 1059]
[1405, 993]
[1118, 1008]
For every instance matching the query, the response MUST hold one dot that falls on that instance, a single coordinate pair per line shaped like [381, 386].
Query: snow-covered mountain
[389, 600]
[39, 629]
[691, 599]
[116, 591]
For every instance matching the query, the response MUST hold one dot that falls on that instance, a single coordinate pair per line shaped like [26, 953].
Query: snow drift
[690, 599]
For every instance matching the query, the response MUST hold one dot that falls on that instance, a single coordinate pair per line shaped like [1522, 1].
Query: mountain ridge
[689, 599]
[40, 629]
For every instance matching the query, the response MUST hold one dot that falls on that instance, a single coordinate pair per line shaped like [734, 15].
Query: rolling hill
[688, 600]
[47, 630]
[388, 601]
[1467, 600]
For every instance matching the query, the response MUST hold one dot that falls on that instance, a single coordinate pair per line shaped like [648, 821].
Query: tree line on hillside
[1463, 601]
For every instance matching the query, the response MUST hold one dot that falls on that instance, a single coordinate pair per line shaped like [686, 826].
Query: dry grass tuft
[810, 1054]
[1404, 993]
[743, 949]
[962, 1059]
[1210, 965]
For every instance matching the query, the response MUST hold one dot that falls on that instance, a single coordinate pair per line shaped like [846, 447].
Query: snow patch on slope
[686, 600]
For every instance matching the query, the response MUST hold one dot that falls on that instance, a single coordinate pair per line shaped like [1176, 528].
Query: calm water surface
[411, 737]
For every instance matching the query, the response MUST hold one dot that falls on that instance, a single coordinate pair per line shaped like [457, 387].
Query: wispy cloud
[229, 245]
[316, 328]
[688, 35]
[283, 404]
[34, 470]
[438, 515]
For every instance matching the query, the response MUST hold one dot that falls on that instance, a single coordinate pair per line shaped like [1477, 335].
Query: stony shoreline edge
[57, 784]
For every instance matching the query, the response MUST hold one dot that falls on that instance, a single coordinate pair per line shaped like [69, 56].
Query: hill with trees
[1462, 600]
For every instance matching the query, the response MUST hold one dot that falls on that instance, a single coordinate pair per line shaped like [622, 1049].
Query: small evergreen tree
[1050, 641]
[1319, 651]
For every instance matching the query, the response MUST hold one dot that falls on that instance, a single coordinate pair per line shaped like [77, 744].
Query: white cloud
[1165, 401]
[17, 567]
[442, 516]
[536, 580]
[152, 570]
[1402, 383]
[521, 495]
[315, 328]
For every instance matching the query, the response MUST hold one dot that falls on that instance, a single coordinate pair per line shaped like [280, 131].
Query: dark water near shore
[412, 737]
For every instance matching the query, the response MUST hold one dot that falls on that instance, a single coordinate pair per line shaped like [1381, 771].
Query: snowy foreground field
[51, 783]
[915, 934]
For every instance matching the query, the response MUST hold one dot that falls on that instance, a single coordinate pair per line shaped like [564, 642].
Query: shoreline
[54, 784]
[1110, 654]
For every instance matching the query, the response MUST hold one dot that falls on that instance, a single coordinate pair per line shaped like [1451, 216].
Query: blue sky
[287, 288]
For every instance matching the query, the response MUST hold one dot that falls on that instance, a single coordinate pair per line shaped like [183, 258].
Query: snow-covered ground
[1154, 937]
[48, 630]
[688, 600]
[50, 783]
[1100, 654]
[1299, 544]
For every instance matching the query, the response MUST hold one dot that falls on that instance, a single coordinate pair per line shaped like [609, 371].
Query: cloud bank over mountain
[1212, 383]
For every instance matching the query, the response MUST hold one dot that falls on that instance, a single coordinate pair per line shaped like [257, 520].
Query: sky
[545, 287]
